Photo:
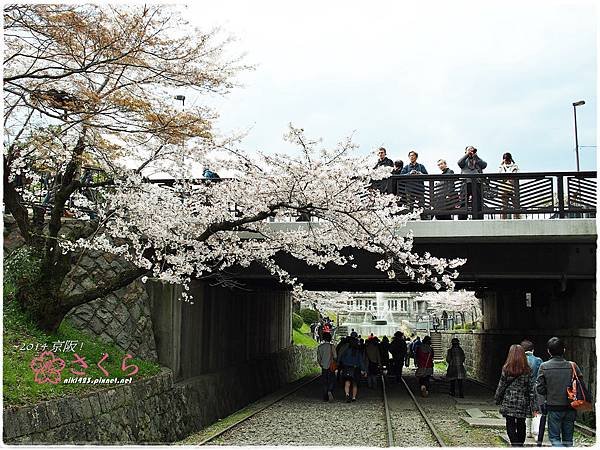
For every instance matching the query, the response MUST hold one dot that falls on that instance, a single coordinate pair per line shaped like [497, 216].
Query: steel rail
[388, 418]
[427, 421]
[262, 408]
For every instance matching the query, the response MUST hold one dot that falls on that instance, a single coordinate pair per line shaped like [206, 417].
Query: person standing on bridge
[470, 164]
[456, 373]
[445, 196]
[326, 357]
[510, 188]
[384, 185]
[414, 190]
[424, 361]
[383, 159]
[515, 394]
[398, 165]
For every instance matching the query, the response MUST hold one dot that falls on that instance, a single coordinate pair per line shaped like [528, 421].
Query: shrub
[309, 315]
[466, 326]
[297, 321]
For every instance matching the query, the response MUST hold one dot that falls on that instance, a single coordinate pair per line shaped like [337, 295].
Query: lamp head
[579, 103]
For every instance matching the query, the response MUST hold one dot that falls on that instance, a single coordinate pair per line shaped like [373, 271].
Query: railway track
[391, 423]
[404, 420]
[234, 424]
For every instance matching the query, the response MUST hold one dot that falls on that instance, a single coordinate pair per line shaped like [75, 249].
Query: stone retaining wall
[154, 410]
[485, 351]
[122, 318]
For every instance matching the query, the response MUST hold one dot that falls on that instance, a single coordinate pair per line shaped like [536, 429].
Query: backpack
[580, 398]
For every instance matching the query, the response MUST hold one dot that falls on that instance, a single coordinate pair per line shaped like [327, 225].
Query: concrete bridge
[552, 260]
[498, 252]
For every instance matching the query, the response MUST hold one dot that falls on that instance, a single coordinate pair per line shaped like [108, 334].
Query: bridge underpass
[553, 260]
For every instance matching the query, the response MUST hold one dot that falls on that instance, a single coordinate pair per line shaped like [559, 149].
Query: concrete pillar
[166, 321]
[222, 327]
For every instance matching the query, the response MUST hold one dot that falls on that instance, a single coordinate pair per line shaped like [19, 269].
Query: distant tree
[309, 315]
[458, 302]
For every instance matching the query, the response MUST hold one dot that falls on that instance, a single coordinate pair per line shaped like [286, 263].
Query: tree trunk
[43, 304]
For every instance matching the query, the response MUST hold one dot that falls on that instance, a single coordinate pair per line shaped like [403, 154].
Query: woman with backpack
[515, 394]
[353, 367]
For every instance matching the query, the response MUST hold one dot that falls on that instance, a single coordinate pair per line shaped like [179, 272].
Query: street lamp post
[575, 105]
[181, 98]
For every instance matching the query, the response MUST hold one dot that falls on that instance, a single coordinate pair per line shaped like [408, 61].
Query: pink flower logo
[47, 368]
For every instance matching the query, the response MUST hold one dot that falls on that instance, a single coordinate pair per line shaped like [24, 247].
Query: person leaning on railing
[471, 163]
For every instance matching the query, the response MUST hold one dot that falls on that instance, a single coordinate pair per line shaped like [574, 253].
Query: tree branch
[121, 280]
[12, 200]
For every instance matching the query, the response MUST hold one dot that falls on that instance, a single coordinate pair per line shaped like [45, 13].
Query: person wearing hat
[456, 372]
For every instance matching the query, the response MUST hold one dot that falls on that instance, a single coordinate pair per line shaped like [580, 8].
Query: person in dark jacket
[383, 159]
[554, 376]
[469, 164]
[384, 349]
[445, 196]
[398, 165]
[385, 185]
[209, 174]
[456, 373]
[413, 349]
[354, 365]
[515, 394]
[398, 351]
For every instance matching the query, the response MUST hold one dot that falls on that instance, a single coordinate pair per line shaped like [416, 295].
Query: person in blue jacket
[414, 195]
[354, 365]
[534, 362]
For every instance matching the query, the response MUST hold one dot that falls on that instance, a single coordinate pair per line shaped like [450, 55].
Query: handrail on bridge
[541, 194]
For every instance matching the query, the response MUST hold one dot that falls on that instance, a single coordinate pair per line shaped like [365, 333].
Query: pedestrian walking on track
[326, 357]
[398, 351]
[554, 377]
[353, 367]
[456, 373]
[515, 394]
[424, 360]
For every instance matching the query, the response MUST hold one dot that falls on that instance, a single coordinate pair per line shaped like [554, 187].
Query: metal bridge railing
[537, 195]
[530, 195]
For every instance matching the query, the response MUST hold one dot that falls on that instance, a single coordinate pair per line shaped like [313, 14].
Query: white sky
[434, 76]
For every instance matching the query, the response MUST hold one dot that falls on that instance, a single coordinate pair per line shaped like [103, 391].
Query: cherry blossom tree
[459, 302]
[87, 85]
[325, 300]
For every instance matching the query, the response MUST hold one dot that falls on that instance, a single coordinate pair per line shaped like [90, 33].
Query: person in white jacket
[509, 189]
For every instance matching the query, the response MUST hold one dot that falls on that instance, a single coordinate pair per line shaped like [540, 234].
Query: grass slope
[19, 385]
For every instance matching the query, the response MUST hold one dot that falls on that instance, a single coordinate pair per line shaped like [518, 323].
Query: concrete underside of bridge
[220, 329]
[497, 252]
